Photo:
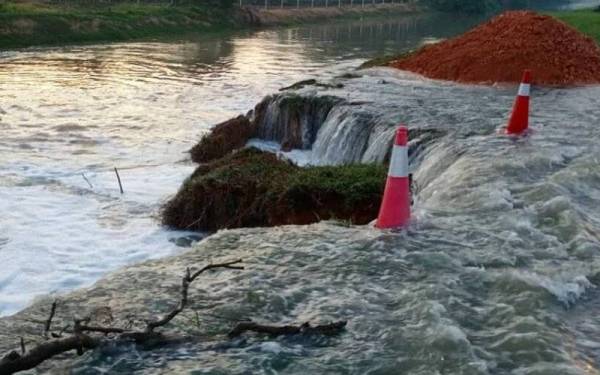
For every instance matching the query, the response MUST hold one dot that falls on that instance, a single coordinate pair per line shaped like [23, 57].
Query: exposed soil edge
[251, 188]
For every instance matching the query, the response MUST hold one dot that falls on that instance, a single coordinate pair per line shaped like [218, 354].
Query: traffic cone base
[395, 206]
[395, 210]
[519, 119]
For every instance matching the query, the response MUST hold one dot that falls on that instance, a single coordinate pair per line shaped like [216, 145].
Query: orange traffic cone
[395, 207]
[519, 119]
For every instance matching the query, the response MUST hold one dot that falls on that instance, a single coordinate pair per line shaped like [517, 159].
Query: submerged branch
[85, 337]
[187, 279]
[305, 329]
[15, 362]
[80, 340]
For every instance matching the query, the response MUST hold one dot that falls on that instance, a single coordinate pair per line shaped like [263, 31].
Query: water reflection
[196, 59]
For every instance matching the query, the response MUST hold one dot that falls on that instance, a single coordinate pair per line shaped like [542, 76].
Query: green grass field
[119, 10]
[587, 21]
[25, 24]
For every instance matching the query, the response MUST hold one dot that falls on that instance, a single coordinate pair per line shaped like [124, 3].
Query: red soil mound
[499, 51]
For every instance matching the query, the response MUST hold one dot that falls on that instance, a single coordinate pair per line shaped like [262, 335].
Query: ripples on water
[498, 274]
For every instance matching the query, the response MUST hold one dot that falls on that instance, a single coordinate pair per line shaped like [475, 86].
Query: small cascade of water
[344, 136]
[293, 120]
[332, 130]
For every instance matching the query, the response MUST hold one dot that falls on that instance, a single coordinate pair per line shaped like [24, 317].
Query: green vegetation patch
[25, 24]
[353, 184]
[587, 21]
[385, 60]
[251, 188]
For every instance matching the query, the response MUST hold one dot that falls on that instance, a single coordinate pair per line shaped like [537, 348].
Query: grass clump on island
[29, 23]
[252, 188]
[586, 21]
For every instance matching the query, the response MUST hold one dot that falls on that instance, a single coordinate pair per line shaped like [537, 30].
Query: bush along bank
[464, 6]
[223, 139]
[252, 188]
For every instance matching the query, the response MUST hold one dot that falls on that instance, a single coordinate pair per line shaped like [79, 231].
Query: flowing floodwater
[71, 112]
[497, 275]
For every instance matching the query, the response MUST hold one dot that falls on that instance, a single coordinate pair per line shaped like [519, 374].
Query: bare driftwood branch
[305, 329]
[60, 333]
[81, 339]
[188, 278]
[15, 362]
[85, 337]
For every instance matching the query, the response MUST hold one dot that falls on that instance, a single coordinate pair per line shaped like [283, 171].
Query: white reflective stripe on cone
[399, 162]
[524, 89]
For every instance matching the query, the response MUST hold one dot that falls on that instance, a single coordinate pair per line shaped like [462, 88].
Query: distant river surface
[69, 115]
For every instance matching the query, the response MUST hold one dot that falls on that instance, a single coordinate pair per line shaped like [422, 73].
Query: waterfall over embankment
[331, 129]
[293, 120]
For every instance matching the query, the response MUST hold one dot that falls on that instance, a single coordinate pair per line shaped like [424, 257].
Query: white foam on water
[299, 157]
[71, 234]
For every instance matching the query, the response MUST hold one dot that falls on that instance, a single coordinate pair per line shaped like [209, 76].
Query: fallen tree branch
[60, 333]
[85, 337]
[80, 340]
[105, 330]
[188, 278]
[15, 362]
[305, 329]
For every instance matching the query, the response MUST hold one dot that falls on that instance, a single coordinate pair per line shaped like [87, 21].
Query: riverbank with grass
[32, 24]
[27, 24]
[587, 21]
